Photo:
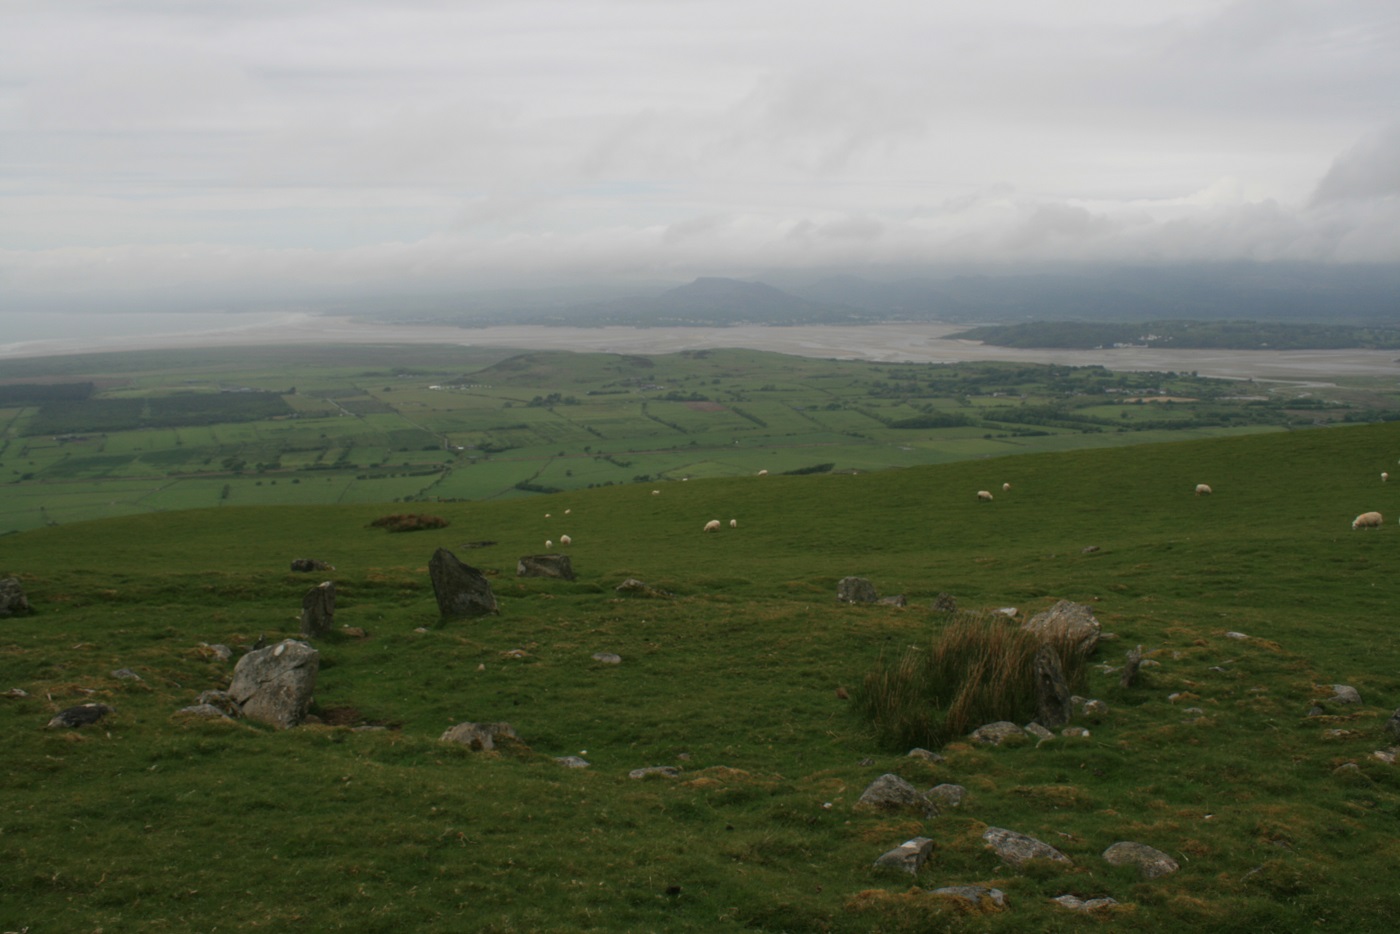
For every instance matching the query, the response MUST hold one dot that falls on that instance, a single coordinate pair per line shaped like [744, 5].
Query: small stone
[855, 590]
[1094, 708]
[896, 600]
[980, 895]
[1316, 712]
[1088, 549]
[1236, 635]
[659, 771]
[1386, 755]
[81, 715]
[1150, 861]
[479, 736]
[15, 693]
[889, 792]
[1017, 848]
[222, 652]
[1346, 767]
[945, 603]
[1078, 904]
[1392, 726]
[1344, 694]
[1007, 611]
[573, 762]
[1038, 731]
[204, 712]
[421, 629]
[927, 755]
[607, 658]
[126, 674]
[909, 856]
[1075, 731]
[1001, 733]
[949, 794]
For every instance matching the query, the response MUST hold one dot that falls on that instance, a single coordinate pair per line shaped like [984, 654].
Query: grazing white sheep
[763, 473]
[712, 525]
[733, 523]
[548, 544]
[1384, 476]
[984, 496]
[1006, 487]
[565, 540]
[655, 492]
[1367, 520]
[1203, 490]
[546, 515]
[567, 511]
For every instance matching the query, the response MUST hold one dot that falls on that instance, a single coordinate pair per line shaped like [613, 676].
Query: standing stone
[855, 590]
[945, 603]
[889, 792]
[318, 610]
[1067, 620]
[557, 566]
[461, 590]
[1130, 670]
[273, 685]
[1392, 726]
[1052, 704]
[12, 599]
[909, 856]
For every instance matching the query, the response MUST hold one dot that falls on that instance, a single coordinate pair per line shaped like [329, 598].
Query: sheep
[763, 473]
[733, 523]
[1384, 476]
[984, 496]
[1006, 488]
[546, 515]
[1367, 520]
[1203, 490]
[567, 511]
[565, 540]
[548, 544]
[712, 525]
[655, 492]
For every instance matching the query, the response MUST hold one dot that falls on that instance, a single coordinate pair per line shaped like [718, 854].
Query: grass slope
[147, 822]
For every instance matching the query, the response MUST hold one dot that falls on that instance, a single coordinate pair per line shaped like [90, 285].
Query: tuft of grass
[977, 670]
[409, 522]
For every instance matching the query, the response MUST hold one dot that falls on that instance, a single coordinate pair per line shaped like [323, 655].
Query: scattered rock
[1088, 549]
[1017, 848]
[1150, 861]
[1392, 726]
[929, 756]
[1074, 903]
[1001, 733]
[637, 588]
[15, 693]
[222, 652]
[983, 897]
[481, 737]
[1094, 708]
[273, 685]
[1345, 768]
[1075, 731]
[12, 598]
[1130, 670]
[607, 658]
[945, 603]
[1386, 755]
[1236, 635]
[126, 674]
[896, 600]
[1316, 712]
[81, 715]
[948, 794]
[308, 565]
[1038, 731]
[1344, 694]
[461, 590]
[889, 792]
[855, 590]
[909, 856]
[222, 700]
[572, 762]
[558, 567]
[660, 771]
[1008, 611]
[318, 610]
[204, 712]
[1067, 620]
[1051, 689]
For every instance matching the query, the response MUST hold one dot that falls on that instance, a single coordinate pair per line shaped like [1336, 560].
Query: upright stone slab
[12, 599]
[318, 610]
[461, 590]
[855, 590]
[1052, 704]
[273, 685]
[1067, 620]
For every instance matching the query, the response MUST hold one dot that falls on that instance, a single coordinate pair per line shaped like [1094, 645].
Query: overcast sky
[203, 152]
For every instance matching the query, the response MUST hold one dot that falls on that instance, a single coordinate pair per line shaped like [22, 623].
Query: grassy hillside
[150, 822]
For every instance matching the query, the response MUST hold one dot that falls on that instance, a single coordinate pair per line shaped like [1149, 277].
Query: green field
[153, 431]
[1280, 821]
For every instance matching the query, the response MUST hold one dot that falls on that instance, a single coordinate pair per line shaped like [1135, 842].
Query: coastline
[888, 343]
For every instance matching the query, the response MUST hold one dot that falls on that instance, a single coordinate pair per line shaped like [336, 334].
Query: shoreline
[887, 343]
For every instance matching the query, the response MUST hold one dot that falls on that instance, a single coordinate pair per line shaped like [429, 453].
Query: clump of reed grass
[978, 669]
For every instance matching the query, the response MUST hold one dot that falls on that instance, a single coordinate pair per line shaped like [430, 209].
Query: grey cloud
[1370, 169]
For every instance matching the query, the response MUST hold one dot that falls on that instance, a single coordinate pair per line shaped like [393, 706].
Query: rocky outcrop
[481, 737]
[1001, 733]
[909, 856]
[273, 685]
[461, 590]
[889, 792]
[1017, 848]
[82, 715]
[1150, 861]
[637, 588]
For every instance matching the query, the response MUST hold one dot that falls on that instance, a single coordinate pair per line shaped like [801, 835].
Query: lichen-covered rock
[481, 737]
[607, 658]
[928, 755]
[1070, 621]
[558, 567]
[274, 684]
[1001, 733]
[856, 590]
[948, 794]
[889, 792]
[1344, 694]
[655, 771]
[639, 589]
[1017, 848]
[1392, 726]
[308, 565]
[1052, 706]
[1150, 861]
[461, 590]
[318, 610]
[1074, 903]
[909, 856]
[982, 896]
[572, 762]
[12, 598]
